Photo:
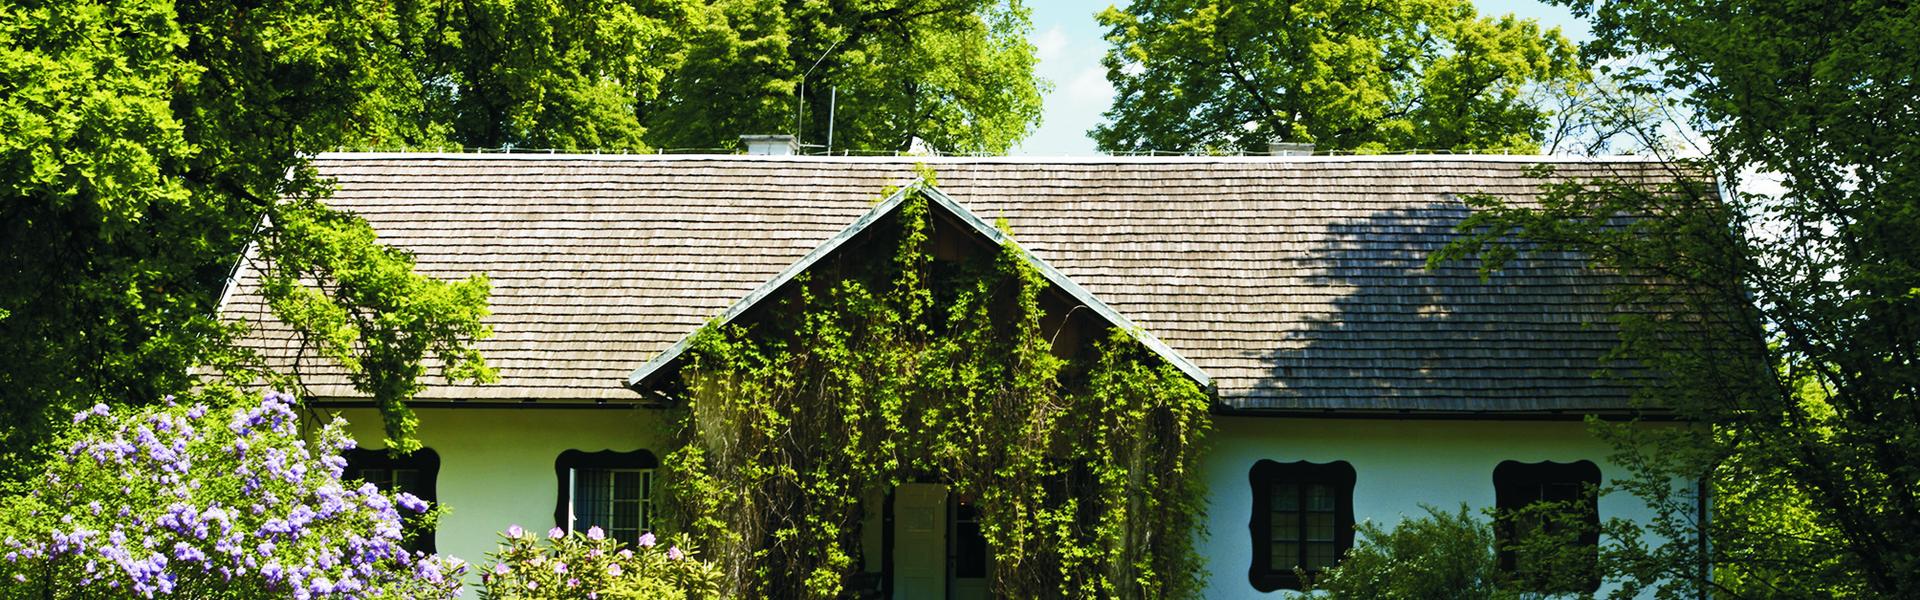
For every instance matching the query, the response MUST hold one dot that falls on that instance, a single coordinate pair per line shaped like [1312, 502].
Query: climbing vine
[872, 371]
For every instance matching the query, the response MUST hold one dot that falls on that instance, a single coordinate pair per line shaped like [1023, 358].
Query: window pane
[1285, 557]
[1320, 527]
[626, 516]
[1286, 527]
[406, 480]
[626, 485]
[969, 543]
[380, 478]
[1320, 497]
[1286, 497]
[591, 488]
[1319, 556]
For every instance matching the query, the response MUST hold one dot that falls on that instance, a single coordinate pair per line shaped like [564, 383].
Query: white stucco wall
[1398, 466]
[496, 468]
[496, 465]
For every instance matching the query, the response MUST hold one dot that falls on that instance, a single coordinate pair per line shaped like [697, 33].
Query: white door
[920, 541]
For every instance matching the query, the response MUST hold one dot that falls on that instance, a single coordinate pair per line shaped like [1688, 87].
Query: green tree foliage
[573, 74]
[1368, 76]
[957, 74]
[97, 288]
[1796, 345]
[362, 305]
[631, 75]
[878, 372]
[141, 143]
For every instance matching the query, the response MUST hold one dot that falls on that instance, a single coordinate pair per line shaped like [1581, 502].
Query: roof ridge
[1034, 160]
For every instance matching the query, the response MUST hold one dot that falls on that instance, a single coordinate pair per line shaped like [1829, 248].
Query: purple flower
[594, 533]
[556, 533]
[500, 568]
[613, 569]
[646, 540]
[674, 553]
[410, 502]
[559, 567]
[515, 532]
[98, 409]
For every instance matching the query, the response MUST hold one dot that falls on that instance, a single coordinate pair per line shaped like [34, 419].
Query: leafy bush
[201, 502]
[591, 565]
[1441, 556]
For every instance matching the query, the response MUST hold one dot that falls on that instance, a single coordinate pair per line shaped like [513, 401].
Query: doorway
[939, 551]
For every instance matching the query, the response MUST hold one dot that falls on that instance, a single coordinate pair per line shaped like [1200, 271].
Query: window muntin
[1524, 493]
[1302, 518]
[606, 489]
[414, 474]
[618, 501]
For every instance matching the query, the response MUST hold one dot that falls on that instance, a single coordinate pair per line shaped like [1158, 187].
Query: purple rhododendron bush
[222, 497]
[595, 567]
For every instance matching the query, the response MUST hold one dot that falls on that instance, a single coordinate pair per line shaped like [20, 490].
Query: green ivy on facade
[876, 372]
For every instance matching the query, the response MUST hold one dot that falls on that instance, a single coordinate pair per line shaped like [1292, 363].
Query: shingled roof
[1292, 283]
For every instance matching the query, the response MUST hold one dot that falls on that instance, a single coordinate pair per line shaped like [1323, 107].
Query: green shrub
[593, 566]
[1441, 556]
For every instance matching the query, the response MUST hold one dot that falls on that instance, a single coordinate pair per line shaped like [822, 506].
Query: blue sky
[1070, 46]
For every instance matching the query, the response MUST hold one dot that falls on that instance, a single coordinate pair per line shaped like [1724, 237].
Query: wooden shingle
[1294, 283]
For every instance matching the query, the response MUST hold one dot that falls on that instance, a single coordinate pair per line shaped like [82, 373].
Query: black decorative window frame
[424, 460]
[1262, 478]
[1511, 479]
[604, 459]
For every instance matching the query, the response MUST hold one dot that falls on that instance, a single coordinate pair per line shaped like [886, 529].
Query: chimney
[1280, 148]
[771, 145]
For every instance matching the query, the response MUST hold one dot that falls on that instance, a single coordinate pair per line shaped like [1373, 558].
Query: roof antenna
[833, 106]
[800, 100]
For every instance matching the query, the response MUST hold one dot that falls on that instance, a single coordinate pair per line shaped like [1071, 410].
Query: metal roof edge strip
[1085, 297]
[873, 215]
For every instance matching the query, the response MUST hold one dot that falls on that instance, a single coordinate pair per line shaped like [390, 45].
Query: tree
[1795, 345]
[573, 75]
[957, 74]
[633, 75]
[1353, 75]
[142, 146]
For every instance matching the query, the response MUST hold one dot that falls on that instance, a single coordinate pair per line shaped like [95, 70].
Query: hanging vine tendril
[873, 371]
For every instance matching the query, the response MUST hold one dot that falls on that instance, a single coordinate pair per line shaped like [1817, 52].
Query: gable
[1292, 284]
[946, 205]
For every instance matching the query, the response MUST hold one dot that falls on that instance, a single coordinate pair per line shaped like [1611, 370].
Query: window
[609, 490]
[1553, 499]
[414, 474]
[969, 542]
[1302, 518]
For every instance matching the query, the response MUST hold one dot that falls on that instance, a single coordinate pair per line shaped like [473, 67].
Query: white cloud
[1049, 44]
[1089, 89]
